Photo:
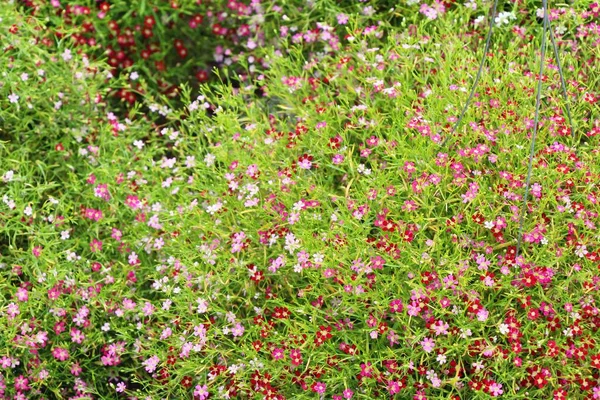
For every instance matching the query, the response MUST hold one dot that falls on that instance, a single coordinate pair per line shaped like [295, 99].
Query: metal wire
[562, 80]
[546, 28]
[487, 47]
[535, 126]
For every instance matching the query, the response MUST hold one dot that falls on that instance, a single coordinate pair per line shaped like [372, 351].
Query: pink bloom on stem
[95, 245]
[496, 389]
[238, 330]
[342, 19]
[61, 354]
[429, 12]
[337, 159]
[76, 369]
[21, 383]
[22, 294]
[319, 387]
[201, 392]
[37, 251]
[277, 353]
[121, 387]
[428, 345]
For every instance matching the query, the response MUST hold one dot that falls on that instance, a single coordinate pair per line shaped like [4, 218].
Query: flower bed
[302, 234]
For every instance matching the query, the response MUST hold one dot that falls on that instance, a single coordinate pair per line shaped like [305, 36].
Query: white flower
[441, 358]
[539, 13]
[581, 251]
[298, 206]
[190, 161]
[139, 144]
[363, 170]
[472, 4]
[13, 98]
[504, 17]
[489, 224]
[24, 76]
[8, 176]
[568, 332]
[503, 328]
[106, 327]
[28, 211]
[66, 55]
[478, 365]
[134, 76]
[202, 306]
[465, 333]
[209, 160]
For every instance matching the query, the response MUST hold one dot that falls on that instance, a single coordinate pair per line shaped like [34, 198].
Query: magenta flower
[37, 251]
[238, 330]
[278, 353]
[342, 19]
[95, 245]
[428, 345]
[61, 354]
[21, 383]
[319, 387]
[201, 392]
[496, 389]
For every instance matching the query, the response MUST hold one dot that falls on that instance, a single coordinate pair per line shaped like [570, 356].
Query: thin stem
[562, 80]
[535, 126]
[487, 47]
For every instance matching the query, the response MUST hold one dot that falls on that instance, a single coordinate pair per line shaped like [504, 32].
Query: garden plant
[268, 200]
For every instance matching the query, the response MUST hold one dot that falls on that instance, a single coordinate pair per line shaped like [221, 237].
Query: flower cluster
[299, 233]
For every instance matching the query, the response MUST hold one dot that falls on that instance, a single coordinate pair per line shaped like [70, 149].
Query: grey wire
[487, 47]
[535, 126]
[562, 80]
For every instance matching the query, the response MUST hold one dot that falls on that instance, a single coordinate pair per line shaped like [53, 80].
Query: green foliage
[299, 231]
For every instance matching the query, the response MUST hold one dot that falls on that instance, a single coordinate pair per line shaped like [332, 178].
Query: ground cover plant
[299, 231]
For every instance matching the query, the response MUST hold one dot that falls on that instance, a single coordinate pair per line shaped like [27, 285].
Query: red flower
[186, 382]
[322, 335]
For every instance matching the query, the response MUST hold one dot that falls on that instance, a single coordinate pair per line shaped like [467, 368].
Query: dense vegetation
[245, 200]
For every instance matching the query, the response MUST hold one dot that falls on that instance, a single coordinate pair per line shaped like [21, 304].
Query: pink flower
[76, 369]
[22, 294]
[21, 383]
[95, 245]
[133, 202]
[238, 330]
[429, 12]
[151, 363]
[278, 353]
[342, 19]
[428, 345]
[201, 392]
[496, 389]
[121, 387]
[61, 354]
[319, 387]
[37, 251]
